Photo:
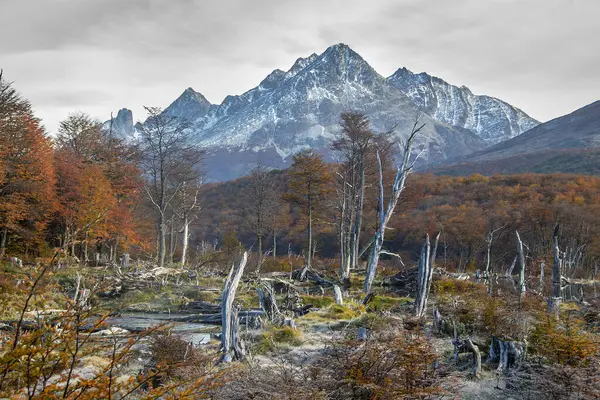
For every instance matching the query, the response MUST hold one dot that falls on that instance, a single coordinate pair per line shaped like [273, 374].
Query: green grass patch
[318, 301]
[275, 337]
[387, 303]
[346, 311]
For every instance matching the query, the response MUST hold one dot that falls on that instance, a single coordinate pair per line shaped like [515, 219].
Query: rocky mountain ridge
[300, 108]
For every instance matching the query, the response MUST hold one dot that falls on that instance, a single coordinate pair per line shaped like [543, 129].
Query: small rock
[363, 333]
[113, 330]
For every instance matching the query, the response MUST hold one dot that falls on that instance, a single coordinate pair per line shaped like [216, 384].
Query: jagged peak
[402, 71]
[190, 93]
[272, 80]
[341, 50]
[124, 113]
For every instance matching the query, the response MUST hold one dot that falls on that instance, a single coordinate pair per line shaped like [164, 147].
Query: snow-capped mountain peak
[190, 105]
[300, 108]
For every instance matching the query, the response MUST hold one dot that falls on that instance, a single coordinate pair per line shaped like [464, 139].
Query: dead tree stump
[231, 346]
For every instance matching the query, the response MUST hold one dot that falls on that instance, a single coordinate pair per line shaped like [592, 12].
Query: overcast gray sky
[542, 56]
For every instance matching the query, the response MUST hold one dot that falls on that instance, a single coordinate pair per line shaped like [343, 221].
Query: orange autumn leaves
[83, 185]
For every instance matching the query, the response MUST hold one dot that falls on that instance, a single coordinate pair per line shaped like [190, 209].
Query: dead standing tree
[556, 298]
[354, 143]
[402, 172]
[187, 210]
[521, 257]
[425, 272]
[231, 347]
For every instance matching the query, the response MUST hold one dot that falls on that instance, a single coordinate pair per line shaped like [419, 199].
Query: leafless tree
[170, 158]
[260, 206]
[402, 172]
[556, 298]
[354, 142]
[187, 211]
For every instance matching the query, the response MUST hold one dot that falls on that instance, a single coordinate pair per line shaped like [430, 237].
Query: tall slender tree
[260, 206]
[310, 183]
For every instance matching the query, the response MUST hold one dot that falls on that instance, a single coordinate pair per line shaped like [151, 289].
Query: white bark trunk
[556, 298]
[337, 295]
[186, 240]
[521, 256]
[230, 346]
[402, 173]
[423, 279]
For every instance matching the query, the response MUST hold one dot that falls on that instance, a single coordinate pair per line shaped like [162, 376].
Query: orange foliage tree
[310, 183]
[26, 172]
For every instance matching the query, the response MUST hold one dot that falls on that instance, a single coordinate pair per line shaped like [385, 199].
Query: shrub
[388, 366]
[563, 341]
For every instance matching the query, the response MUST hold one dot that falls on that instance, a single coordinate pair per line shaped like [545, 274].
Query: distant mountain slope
[492, 119]
[570, 143]
[579, 129]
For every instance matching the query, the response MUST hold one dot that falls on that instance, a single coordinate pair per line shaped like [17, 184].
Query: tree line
[96, 196]
[90, 194]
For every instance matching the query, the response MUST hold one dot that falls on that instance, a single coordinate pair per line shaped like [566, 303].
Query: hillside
[569, 144]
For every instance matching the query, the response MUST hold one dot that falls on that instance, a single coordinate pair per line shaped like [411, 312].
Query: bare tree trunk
[85, 247]
[73, 244]
[114, 253]
[260, 253]
[555, 300]
[423, 279]
[310, 249]
[162, 241]
[171, 239]
[541, 285]
[357, 223]
[402, 173]
[274, 243]
[344, 242]
[3, 241]
[186, 239]
[230, 345]
[434, 251]
[521, 256]
[337, 295]
[476, 357]
[268, 302]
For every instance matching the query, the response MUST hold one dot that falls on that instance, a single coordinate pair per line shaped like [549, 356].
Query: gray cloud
[101, 55]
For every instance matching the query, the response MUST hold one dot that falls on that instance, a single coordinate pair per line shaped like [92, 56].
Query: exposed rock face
[190, 106]
[122, 124]
[492, 119]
